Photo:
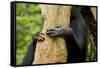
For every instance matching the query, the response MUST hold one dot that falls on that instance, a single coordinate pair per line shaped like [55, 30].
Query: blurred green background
[28, 22]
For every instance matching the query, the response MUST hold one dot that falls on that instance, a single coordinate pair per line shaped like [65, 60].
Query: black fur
[76, 37]
[28, 59]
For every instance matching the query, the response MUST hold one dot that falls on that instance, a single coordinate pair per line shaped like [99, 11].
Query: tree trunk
[93, 9]
[52, 50]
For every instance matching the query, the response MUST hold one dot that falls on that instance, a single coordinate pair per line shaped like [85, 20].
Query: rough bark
[52, 50]
[93, 9]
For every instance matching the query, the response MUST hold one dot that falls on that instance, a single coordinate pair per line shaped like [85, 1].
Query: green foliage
[28, 22]
[91, 49]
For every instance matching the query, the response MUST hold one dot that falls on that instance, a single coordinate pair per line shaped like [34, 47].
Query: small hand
[39, 36]
[57, 31]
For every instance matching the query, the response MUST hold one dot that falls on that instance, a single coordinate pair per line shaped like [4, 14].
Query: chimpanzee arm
[75, 36]
[29, 57]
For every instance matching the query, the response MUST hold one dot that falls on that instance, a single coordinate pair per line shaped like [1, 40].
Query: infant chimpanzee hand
[39, 36]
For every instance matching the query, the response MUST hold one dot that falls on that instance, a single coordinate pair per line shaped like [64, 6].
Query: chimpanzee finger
[53, 34]
[50, 32]
[42, 37]
[51, 29]
[41, 33]
[39, 36]
[58, 27]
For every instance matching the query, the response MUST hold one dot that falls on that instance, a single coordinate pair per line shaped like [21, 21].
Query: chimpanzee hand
[55, 32]
[39, 36]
